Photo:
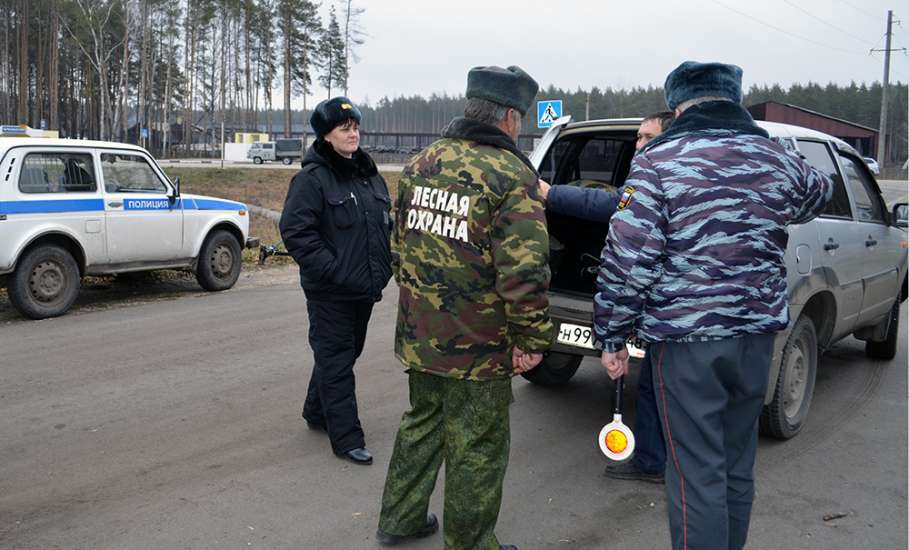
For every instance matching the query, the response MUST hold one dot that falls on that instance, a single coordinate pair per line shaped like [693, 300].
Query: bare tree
[22, 112]
[354, 35]
[54, 67]
[120, 110]
[95, 17]
[172, 18]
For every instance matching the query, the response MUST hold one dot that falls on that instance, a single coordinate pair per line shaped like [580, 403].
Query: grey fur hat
[511, 87]
[691, 80]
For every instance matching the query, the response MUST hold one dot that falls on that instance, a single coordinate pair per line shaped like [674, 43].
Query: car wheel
[45, 283]
[886, 349]
[785, 415]
[287, 160]
[257, 160]
[218, 267]
[555, 369]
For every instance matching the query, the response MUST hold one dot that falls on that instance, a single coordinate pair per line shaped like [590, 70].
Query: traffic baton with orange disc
[616, 439]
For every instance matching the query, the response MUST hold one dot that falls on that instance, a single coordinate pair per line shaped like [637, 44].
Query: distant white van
[285, 150]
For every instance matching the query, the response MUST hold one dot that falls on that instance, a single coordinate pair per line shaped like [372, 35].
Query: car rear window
[57, 173]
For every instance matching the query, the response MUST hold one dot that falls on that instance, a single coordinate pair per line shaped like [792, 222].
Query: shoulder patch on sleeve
[625, 199]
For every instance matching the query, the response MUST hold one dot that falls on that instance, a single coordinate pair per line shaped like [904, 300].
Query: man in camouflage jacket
[472, 267]
[694, 265]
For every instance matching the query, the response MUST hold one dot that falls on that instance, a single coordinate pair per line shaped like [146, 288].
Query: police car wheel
[886, 349]
[555, 369]
[218, 267]
[45, 283]
[785, 415]
[257, 160]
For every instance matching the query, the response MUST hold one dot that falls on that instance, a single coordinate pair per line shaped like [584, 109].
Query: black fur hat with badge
[692, 80]
[330, 113]
[511, 87]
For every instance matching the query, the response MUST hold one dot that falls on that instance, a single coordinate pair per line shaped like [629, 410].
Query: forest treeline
[168, 73]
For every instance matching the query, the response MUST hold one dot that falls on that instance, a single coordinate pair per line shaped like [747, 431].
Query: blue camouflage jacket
[695, 250]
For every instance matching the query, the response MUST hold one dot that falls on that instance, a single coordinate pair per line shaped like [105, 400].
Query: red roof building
[863, 138]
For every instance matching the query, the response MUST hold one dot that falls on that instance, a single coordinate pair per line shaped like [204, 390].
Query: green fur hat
[511, 87]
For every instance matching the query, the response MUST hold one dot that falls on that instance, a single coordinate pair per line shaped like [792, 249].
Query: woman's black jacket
[335, 224]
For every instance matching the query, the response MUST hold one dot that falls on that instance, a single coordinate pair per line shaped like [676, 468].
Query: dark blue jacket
[336, 226]
[586, 203]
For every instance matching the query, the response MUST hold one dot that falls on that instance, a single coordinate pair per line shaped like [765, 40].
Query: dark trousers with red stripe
[710, 396]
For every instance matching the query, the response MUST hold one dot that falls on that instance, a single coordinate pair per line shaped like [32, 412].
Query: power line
[867, 14]
[831, 25]
[784, 31]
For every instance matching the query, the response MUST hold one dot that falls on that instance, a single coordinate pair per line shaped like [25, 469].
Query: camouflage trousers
[466, 424]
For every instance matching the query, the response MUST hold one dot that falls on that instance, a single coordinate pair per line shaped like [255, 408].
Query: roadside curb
[264, 212]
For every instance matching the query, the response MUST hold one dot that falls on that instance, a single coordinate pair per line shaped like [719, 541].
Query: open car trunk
[598, 160]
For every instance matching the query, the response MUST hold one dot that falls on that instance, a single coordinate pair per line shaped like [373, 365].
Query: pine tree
[331, 55]
[299, 25]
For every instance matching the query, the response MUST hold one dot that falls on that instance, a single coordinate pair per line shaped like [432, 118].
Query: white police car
[70, 208]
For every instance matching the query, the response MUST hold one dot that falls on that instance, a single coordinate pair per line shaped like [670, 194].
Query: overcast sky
[427, 46]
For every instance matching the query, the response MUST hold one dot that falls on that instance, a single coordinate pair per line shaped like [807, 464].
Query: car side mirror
[900, 215]
[175, 194]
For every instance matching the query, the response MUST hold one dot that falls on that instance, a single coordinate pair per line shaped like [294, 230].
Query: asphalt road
[172, 420]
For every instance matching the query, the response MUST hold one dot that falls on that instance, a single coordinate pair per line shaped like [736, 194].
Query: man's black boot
[429, 528]
[630, 471]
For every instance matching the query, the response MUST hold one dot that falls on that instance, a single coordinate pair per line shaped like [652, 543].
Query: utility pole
[882, 127]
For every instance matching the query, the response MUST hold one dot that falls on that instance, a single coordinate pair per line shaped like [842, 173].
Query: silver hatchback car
[846, 269]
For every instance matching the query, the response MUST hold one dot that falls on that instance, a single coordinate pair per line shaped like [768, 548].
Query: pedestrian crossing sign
[547, 111]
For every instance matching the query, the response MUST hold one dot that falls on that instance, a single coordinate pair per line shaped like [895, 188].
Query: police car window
[57, 173]
[818, 155]
[867, 203]
[129, 174]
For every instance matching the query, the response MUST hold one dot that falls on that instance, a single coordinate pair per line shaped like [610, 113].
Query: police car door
[144, 225]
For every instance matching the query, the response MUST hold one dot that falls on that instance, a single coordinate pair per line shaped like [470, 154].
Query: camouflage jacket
[471, 256]
[695, 250]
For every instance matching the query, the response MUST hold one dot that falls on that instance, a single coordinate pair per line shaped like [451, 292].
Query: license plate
[575, 335]
[635, 349]
[582, 337]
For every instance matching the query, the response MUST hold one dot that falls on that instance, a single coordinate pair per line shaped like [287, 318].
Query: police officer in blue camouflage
[693, 264]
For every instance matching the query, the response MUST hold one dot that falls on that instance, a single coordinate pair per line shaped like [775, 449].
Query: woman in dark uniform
[335, 224]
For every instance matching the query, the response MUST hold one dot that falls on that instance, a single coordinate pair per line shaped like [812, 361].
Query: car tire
[218, 266]
[287, 160]
[886, 349]
[785, 415]
[555, 369]
[257, 160]
[45, 283]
